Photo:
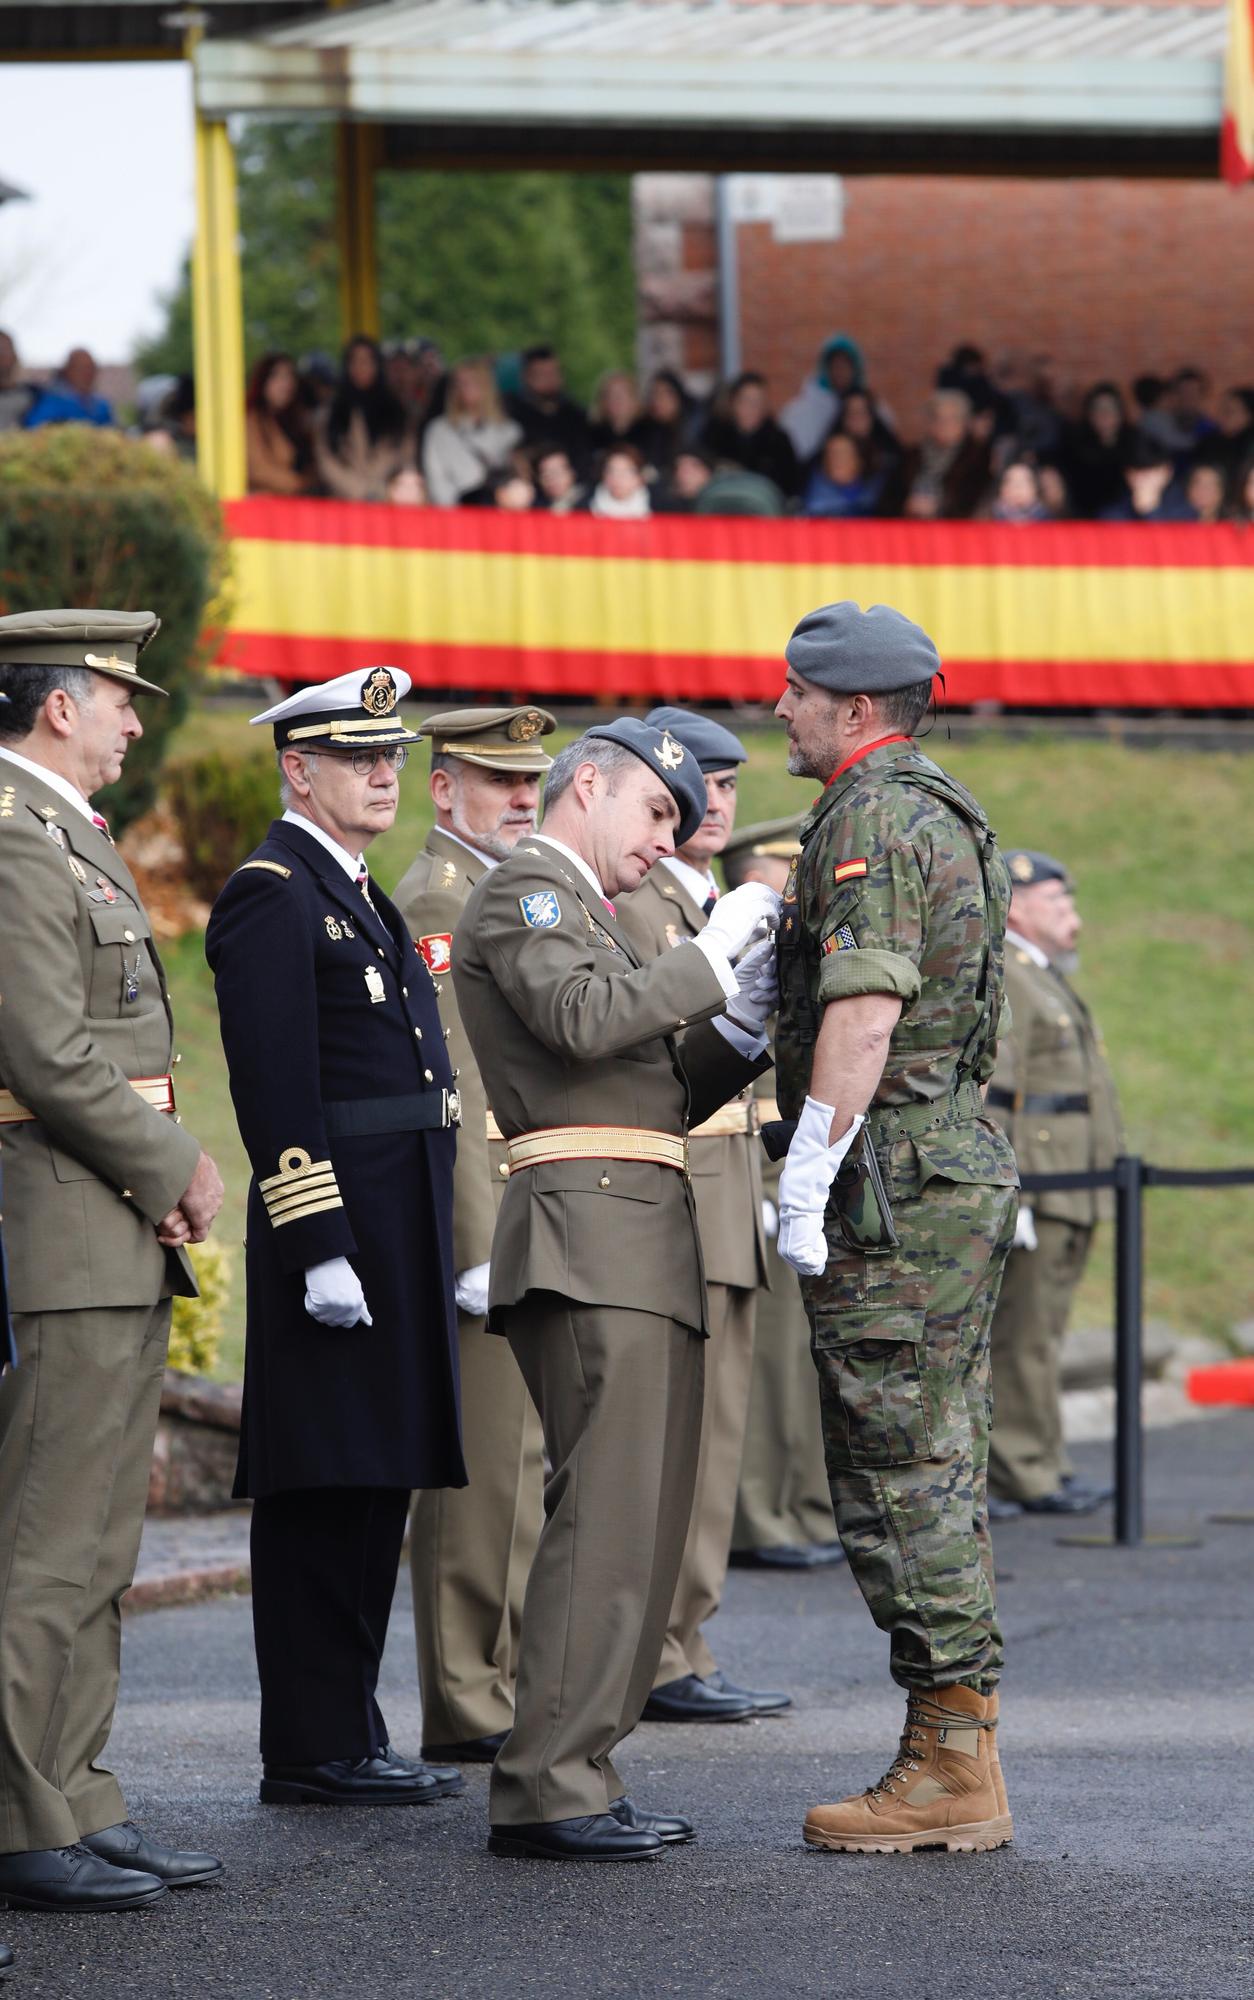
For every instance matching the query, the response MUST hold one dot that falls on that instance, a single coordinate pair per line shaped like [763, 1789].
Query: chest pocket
[121, 962]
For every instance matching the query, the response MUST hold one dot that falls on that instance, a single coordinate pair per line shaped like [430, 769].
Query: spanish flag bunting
[1236, 139]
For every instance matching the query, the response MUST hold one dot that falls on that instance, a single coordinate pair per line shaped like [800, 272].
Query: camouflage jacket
[900, 889]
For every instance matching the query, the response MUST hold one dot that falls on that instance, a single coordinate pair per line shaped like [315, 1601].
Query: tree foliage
[480, 262]
[89, 517]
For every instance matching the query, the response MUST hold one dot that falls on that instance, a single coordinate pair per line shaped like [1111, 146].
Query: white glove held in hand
[757, 988]
[333, 1294]
[740, 918]
[1025, 1230]
[804, 1185]
[471, 1290]
[770, 1219]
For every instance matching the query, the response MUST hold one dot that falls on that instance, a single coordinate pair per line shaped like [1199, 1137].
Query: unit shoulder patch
[437, 949]
[541, 910]
[840, 940]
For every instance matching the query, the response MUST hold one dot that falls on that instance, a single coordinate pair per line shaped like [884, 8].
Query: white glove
[1025, 1230]
[804, 1185]
[333, 1294]
[770, 1219]
[757, 988]
[471, 1290]
[740, 918]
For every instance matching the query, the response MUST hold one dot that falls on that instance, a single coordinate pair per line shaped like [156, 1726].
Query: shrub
[196, 1326]
[224, 806]
[89, 517]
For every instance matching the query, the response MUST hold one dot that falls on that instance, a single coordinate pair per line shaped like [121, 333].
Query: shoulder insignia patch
[841, 940]
[272, 867]
[541, 911]
[437, 949]
[846, 871]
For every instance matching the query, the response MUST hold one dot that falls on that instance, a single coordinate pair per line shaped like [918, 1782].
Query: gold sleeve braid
[301, 1187]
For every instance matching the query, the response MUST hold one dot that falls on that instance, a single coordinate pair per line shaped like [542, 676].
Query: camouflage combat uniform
[900, 890]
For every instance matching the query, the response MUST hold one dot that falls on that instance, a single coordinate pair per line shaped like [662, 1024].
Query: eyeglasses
[364, 761]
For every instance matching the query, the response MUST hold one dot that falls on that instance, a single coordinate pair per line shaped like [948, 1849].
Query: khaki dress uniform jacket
[470, 1550]
[1053, 1094]
[597, 1281]
[727, 1185]
[84, 1009]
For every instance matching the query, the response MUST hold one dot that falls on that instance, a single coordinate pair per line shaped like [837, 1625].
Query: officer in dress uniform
[470, 1551]
[1053, 1094]
[345, 1100]
[596, 1262]
[783, 1506]
[103, 1189]
[674, 902]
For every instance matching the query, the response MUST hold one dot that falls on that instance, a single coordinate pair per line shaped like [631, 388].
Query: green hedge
[89, 517]
[224, 806]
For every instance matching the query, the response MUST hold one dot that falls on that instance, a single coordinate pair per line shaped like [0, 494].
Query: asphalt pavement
[1126, 1738]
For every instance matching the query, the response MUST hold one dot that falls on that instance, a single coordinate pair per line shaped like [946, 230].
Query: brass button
[604, 1181]
[1043, 1137]
[379, 948]
[448, 1034]
[429, 1075]
[129, 937]
[418, 1032]
[404, 993]
[503, 1170]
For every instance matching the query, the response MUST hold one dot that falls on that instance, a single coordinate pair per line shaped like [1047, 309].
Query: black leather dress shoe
[789, 1555]
[6, 1959]
[672, 1829]
[691, 1700]
[126, 1846]
[763, 1701]
[385, 1780]
[475, 1750]
[1003, 1510]
[1070, 1498]
[73, 1878]
[596, 1837]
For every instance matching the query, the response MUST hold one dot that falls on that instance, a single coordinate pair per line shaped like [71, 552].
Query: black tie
[710, 901]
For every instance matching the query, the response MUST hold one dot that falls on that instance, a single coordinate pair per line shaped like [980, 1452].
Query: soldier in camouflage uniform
[890, 991]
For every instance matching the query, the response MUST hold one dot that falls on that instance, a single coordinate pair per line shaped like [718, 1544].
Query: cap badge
[524, 727]
[1021, 868]
[670, 755]
[378, 692]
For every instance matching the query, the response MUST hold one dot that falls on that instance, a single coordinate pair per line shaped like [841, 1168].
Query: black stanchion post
[1129, 1283]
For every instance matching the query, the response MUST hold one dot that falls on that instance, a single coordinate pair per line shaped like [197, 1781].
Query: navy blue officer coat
[329, 1019]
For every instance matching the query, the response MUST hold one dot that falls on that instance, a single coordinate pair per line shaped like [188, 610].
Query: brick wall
[1108, 277]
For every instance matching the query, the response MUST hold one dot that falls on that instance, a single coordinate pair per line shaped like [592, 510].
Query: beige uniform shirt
[726, 1171]
[1055, 1050]
[431, 897]
[569, 1027]
[83, 1008]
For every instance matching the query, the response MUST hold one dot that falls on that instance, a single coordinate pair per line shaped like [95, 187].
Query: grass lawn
[1162, 845]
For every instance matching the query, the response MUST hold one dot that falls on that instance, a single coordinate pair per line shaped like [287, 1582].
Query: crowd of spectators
[999, 441]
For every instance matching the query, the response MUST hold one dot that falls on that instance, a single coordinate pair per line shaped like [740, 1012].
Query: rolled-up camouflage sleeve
[872, 920]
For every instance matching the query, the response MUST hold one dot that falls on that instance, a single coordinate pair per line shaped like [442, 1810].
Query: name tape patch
[541, 910]
[846, 871]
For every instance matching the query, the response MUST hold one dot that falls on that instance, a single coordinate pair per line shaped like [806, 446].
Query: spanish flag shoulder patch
[847, 871]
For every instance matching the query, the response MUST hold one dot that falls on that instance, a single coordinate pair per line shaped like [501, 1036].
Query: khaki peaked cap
[497, 739]
[105, 642]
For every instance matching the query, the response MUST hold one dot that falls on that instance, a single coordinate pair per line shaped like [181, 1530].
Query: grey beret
[714, 747]
[848, 650]
[667, 758]
[1027, 868]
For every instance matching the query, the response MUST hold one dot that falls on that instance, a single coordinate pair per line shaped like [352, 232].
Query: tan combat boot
[944, 1788]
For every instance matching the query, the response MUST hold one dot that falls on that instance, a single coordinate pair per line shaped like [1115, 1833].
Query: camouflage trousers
[901, 1344]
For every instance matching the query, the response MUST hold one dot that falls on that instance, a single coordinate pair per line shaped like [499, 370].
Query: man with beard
[470, 1551]
[890, 970]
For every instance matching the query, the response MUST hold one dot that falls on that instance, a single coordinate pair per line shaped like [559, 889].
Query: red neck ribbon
[865, 751]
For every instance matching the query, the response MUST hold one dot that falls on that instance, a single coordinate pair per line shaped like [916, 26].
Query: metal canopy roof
[904, 84]
[35, 30]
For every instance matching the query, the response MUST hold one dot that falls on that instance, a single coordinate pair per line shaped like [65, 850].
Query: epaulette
[272, 867]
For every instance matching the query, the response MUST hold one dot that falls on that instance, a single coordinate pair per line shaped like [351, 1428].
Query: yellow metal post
[218, 315]
[357, 158]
